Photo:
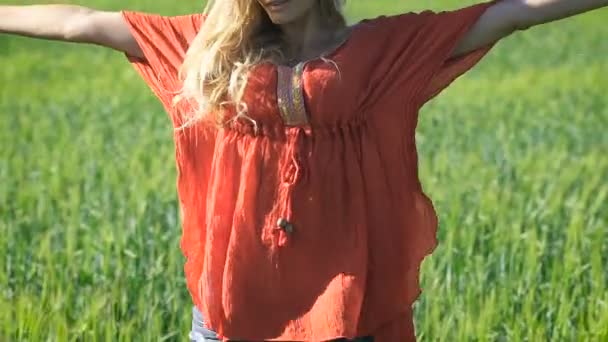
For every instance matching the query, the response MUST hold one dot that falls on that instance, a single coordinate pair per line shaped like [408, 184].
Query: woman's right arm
[71, 24]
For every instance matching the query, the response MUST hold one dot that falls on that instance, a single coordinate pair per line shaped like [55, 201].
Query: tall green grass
[513, 154]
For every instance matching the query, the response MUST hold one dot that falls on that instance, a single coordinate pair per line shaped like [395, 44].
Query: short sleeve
[164, 42]
[443, 32]
[416, 60]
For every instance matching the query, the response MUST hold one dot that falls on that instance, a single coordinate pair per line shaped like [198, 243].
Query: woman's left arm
[508, 16]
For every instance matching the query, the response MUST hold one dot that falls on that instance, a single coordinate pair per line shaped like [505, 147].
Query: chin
[282, 19]
[283, 12]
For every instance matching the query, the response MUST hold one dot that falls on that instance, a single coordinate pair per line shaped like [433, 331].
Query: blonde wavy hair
[236, 35]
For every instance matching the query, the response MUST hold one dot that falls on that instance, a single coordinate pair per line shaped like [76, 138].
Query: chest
[317, 92]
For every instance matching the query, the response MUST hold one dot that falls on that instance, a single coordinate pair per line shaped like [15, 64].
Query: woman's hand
[508, 16]
[69, 23]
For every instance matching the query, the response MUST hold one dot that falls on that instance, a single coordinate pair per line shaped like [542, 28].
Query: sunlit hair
[236, 35]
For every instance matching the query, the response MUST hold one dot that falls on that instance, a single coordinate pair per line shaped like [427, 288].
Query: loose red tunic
[313, 226]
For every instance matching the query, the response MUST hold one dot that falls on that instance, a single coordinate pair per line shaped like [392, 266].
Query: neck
[305, 33]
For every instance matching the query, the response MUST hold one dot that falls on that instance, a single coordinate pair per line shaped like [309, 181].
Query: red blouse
[312, 226]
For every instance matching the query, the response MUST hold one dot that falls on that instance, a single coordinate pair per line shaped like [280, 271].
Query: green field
[514, 155]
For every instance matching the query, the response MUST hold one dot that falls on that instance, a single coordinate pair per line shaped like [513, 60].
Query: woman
[303, 216]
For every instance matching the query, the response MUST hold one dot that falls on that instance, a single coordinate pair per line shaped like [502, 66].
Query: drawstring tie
[291, 173]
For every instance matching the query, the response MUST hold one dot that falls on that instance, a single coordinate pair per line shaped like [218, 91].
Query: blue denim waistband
[200, 333]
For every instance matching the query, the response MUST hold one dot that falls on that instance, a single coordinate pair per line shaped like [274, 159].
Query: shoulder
[191, 22]
[382, 36]
[403, 22]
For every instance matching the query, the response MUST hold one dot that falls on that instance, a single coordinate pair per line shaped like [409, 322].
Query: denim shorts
[200, 333]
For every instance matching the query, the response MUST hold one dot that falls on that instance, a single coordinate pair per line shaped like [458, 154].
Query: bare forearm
[507, 16]
[70, 23]
[42, 21]
[544, 11]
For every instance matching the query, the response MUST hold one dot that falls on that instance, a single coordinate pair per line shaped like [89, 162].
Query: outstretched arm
[508, 16]
[69, 23]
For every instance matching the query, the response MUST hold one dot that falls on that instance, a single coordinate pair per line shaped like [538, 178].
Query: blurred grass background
[513, 154]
